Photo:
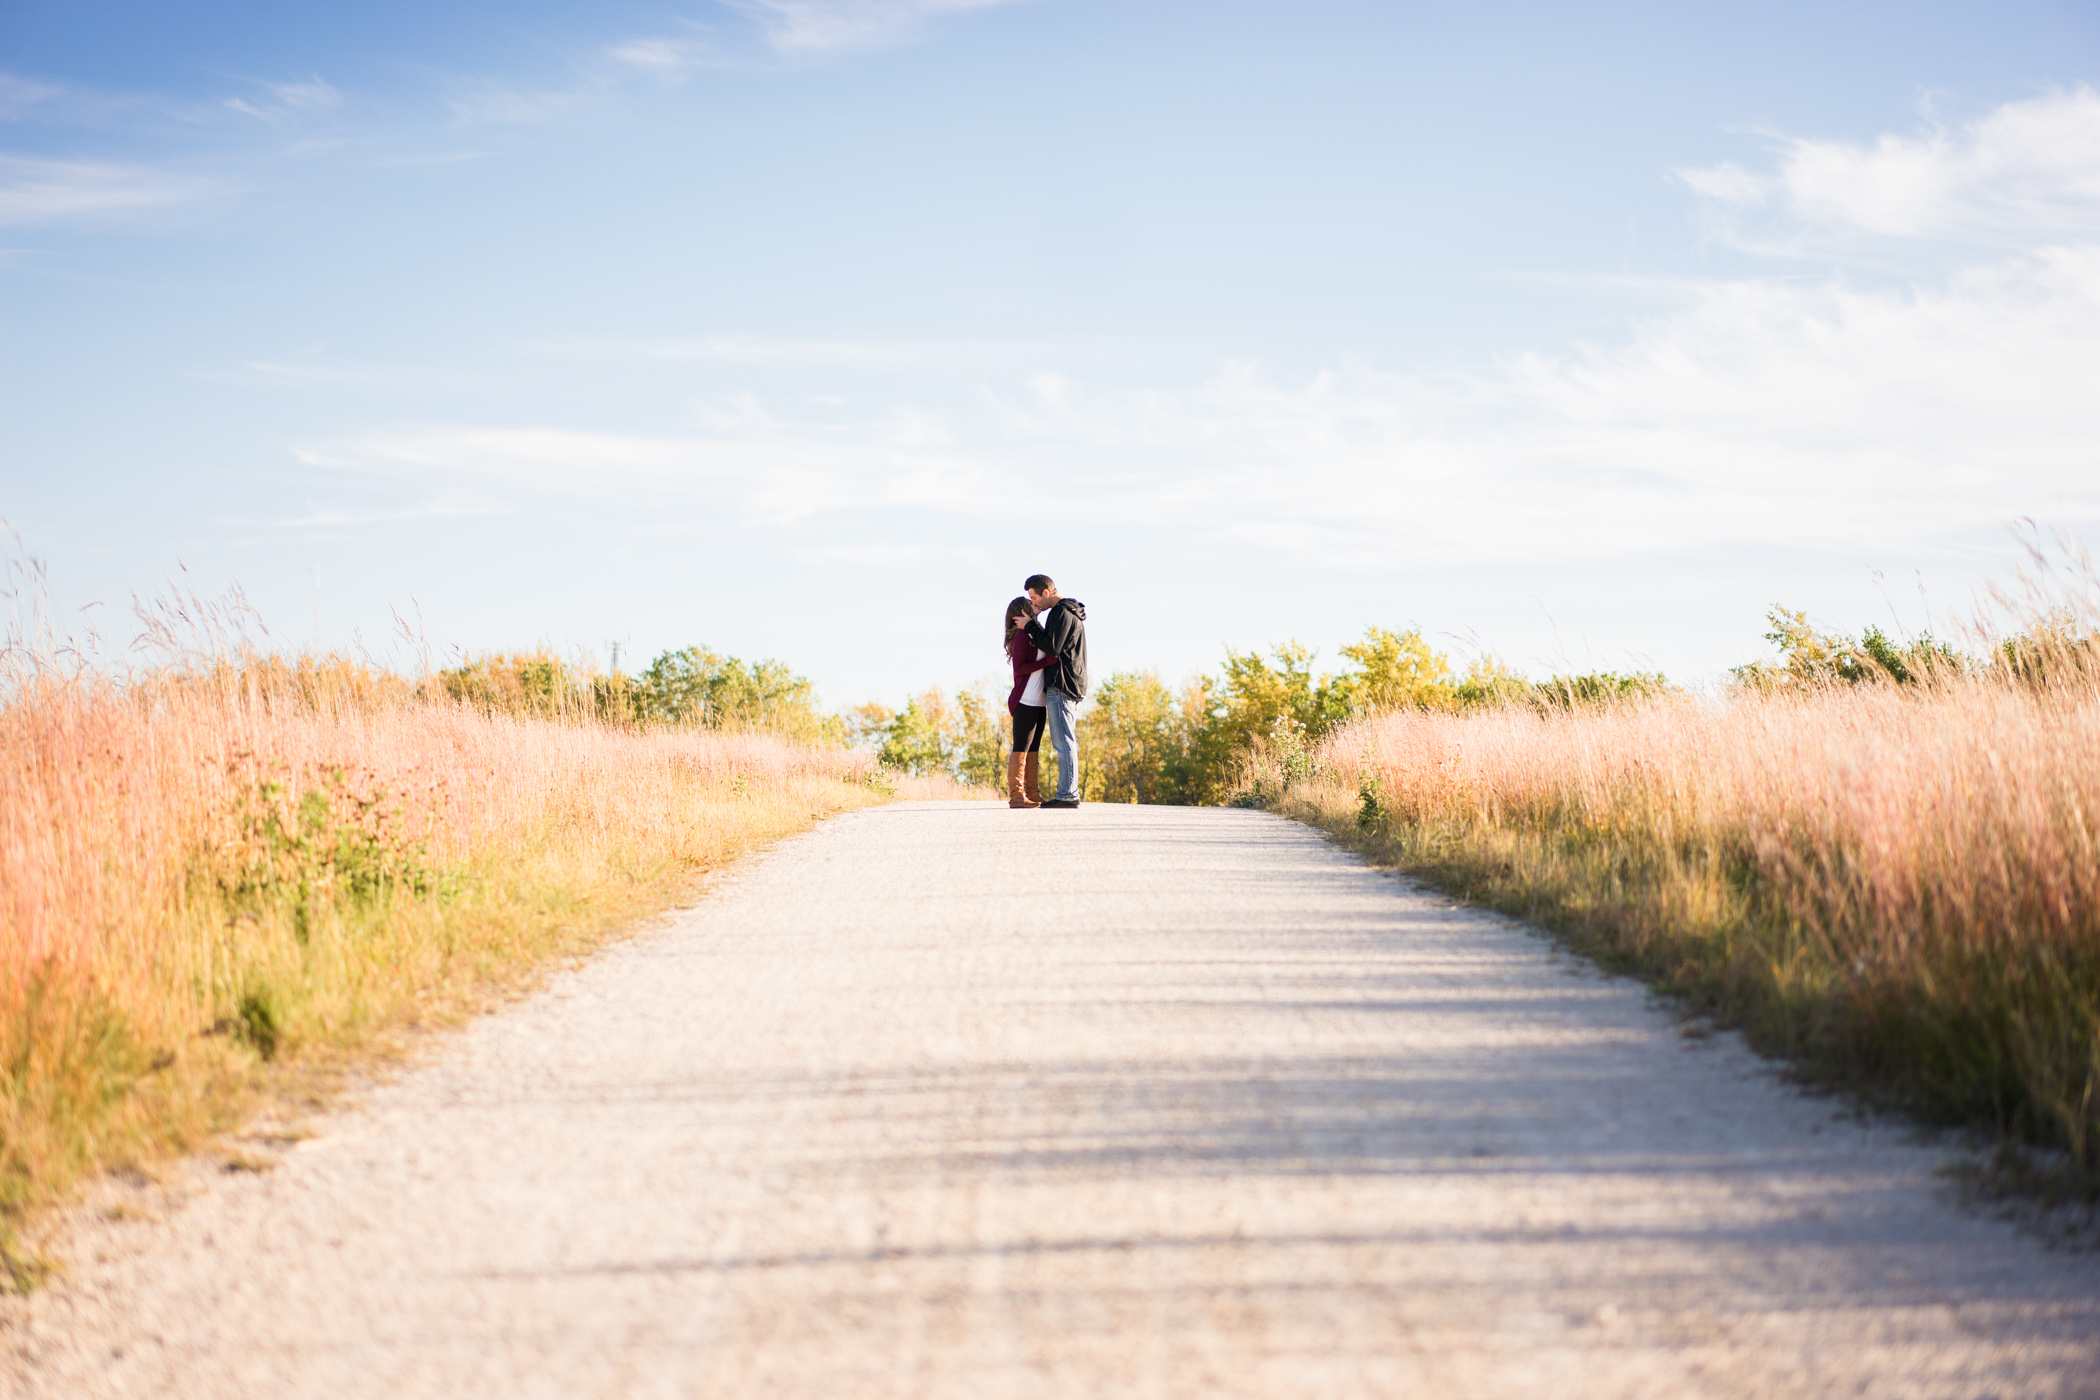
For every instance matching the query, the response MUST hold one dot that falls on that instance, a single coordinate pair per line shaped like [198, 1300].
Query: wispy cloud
[740, 349]
[313, 369]
[1855, 417]
[447, 506]
[813, 28]
[19, 95]
[779, 31]
[596, 81]
[294, 104]
[1760, 415]
[320, 373]
[286, 101]
[214, 135]
[35, 191]
[791, 30]
[1757, 414]
[425, 158]
[867, 555]
[768, 470]
[487, 102]
[2023, 172]
[659, 56]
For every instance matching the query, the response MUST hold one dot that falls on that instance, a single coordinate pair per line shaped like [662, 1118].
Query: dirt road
[944, 1100]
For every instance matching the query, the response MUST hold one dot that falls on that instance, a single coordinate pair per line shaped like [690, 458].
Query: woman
[1025, 704]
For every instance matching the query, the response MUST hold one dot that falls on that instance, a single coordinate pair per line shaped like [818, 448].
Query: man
[1059, 630]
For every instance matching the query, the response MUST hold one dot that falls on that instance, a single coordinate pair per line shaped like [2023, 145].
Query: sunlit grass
[1898, 886]
[214, 873]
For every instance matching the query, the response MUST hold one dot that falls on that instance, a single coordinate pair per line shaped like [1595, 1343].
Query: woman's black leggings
[1028, 727]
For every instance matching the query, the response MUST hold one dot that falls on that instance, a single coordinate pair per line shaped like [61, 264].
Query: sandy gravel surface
[944, 1100]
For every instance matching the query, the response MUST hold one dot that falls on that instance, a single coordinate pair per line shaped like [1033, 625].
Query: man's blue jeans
[1064, 741]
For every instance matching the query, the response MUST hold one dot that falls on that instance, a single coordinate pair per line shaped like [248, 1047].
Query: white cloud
[866, 555]
[786, 29]
[120, 110]
[311, 93]
[663, 57]
[288, 100]
[740, 349]
[18, 95]
[313, 368]
[790, 29]
[1758, 414]
[597, 84]
[34, 191]
[488, 103]
[320, 373]
[1858, 418]
[1862, 423]
[447, 506]
[427, 158]
[767, 470]
[2022, 172]
[811, 28]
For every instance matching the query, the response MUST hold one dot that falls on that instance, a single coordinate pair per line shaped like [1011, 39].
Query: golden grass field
[217, 877]
[1897, 885]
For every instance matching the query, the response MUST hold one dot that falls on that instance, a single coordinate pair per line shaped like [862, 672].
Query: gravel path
[943, 1100]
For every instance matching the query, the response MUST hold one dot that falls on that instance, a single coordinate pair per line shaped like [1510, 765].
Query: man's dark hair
[1038, 583]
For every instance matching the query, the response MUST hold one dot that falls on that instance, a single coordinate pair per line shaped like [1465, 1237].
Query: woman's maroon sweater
[1023, 653]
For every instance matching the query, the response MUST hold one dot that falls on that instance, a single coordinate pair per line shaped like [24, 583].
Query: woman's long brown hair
[1024, 610]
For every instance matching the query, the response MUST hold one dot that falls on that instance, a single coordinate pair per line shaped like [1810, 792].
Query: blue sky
[807, 328]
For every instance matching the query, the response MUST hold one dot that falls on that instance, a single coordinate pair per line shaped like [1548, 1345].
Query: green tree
[2056, 648]
[1488, 683]
[1278, 706]
[1396, 671]
[1254, 694]
[965, 737]
[1134, 742]
[913, 741]
[698, 687]
[516, 683]
[1596, 689]
[1813, 658]
[983, 738]
[1912, 664]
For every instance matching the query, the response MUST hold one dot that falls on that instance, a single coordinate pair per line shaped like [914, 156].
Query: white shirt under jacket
[1032, 693]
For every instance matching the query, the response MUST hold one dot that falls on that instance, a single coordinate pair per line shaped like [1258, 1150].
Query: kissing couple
[1045, 638]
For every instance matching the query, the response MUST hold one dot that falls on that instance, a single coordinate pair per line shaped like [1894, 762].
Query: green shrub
[1140, 742]
[966, 737]
[1596, 688]
[687, 688]
[1813, 659]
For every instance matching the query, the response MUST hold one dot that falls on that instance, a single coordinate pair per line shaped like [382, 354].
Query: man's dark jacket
[1061, 632]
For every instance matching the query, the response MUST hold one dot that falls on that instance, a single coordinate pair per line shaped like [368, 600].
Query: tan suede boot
[1014, 797]
[1030, 776]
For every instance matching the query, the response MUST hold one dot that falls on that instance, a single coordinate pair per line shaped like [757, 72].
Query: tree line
[1141, 740]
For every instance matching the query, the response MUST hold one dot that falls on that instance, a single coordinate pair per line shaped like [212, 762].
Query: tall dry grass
[228, 864]
[1897, 885]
